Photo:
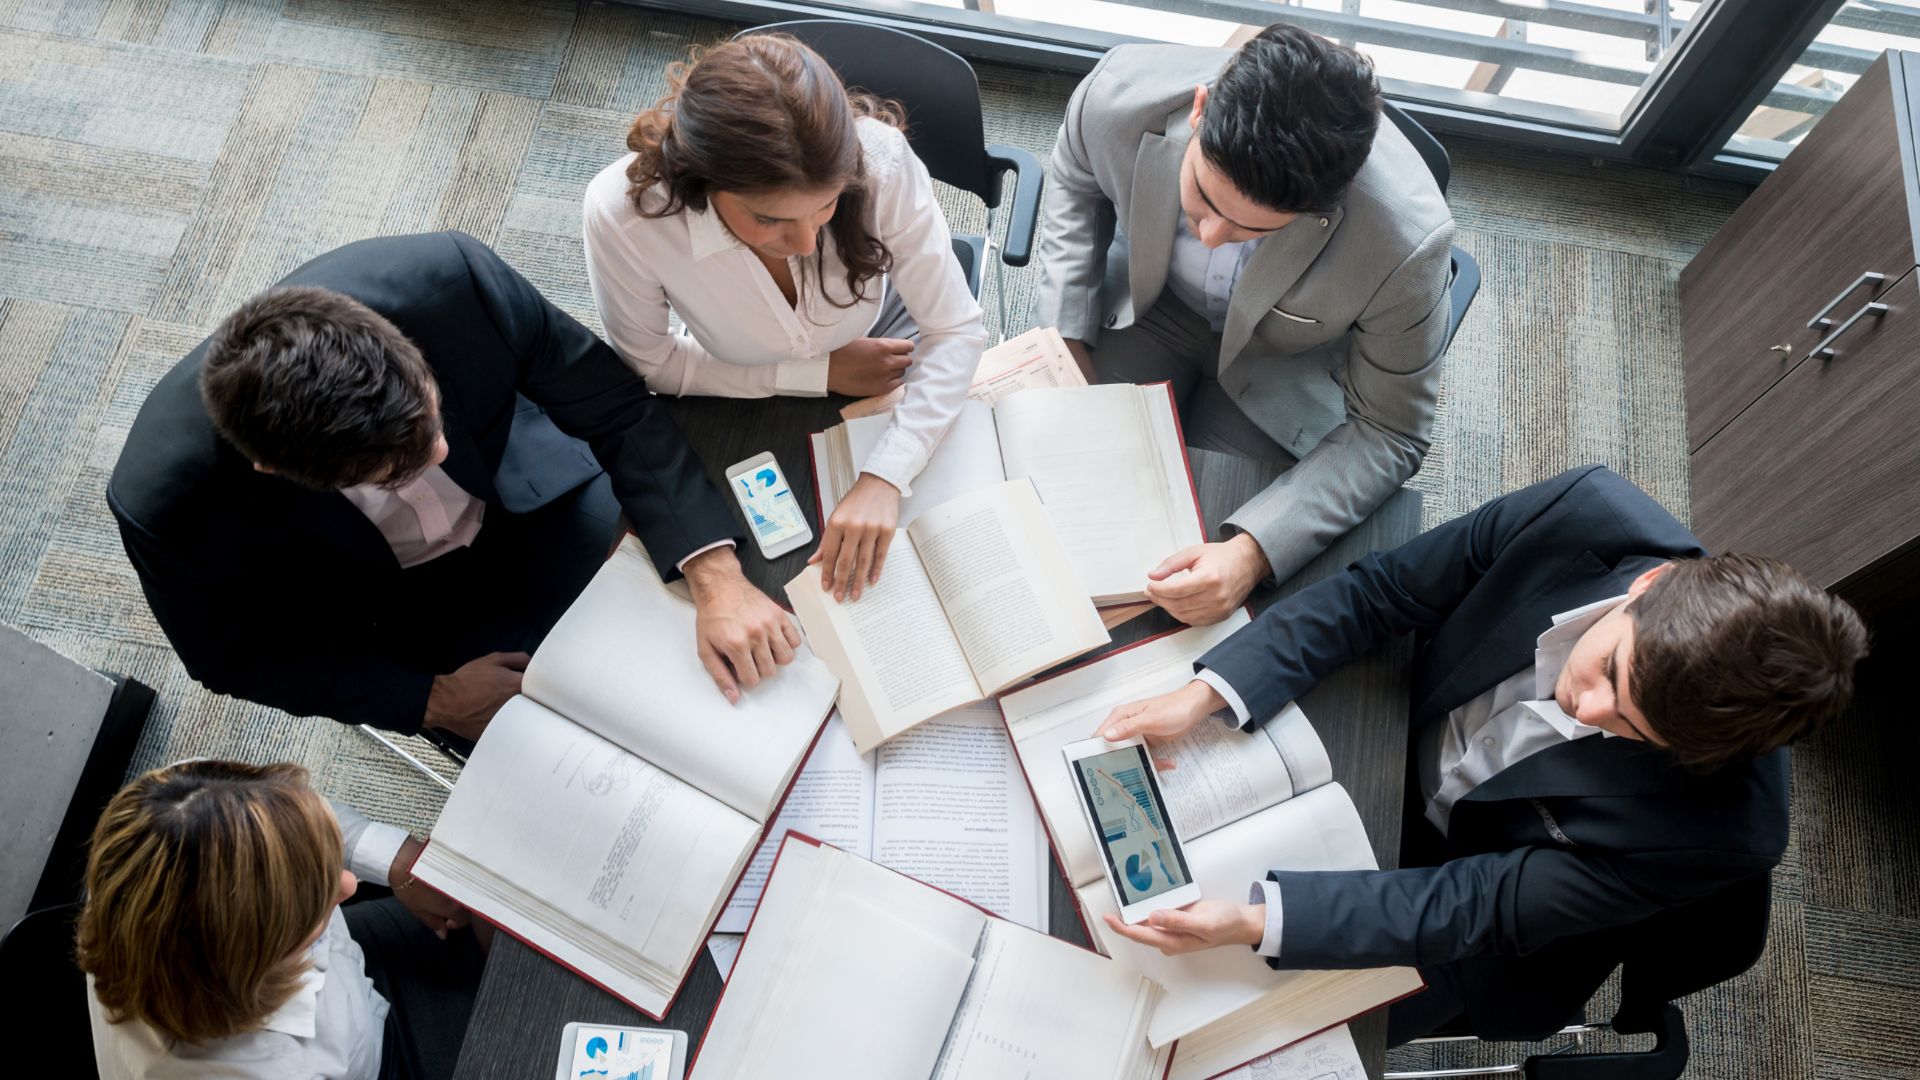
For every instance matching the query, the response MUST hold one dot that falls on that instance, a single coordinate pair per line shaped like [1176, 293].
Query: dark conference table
[1360, 712]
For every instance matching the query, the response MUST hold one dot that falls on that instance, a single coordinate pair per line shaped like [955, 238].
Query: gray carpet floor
[162, 159]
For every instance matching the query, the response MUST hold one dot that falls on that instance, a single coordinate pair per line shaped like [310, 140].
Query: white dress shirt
[744, 340]
[1513, 721]
[423, 520]
[332, 1027]
[1203, 277]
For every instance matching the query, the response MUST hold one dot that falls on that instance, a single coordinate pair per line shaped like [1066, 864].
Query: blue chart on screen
[1138, 875]
[1129, 822]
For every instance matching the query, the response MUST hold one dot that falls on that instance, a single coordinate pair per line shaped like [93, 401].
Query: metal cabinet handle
[1825, 348]
[1821, 319]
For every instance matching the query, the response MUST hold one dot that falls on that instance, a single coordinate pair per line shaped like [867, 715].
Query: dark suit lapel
[1276, 264]
[1595, 765]
[1155, 208]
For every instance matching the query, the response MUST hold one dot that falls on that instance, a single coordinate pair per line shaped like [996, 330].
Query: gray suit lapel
[1276, 264]
[1156, 206]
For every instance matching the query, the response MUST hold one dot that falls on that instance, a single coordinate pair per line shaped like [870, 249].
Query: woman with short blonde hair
[212, 933]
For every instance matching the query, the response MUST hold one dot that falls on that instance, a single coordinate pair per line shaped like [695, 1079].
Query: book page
[622, 662]
[1037, 1007]
[1221, 774]
[1045, 717]
[583, 848]
[892, 648]
[951, 809]
[1330, 1055]
[1093, 455]
[967, 459]
[1318, 830]
[831, 801]
[1007, 587]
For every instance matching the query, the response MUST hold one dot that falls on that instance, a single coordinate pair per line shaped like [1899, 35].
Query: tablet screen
[1143, 855]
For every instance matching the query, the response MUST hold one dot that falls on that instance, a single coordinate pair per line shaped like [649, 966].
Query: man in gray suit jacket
[1244, 226]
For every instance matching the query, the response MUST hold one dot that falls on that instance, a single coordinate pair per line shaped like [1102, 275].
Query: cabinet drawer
[1836, 207]
[1824, 470]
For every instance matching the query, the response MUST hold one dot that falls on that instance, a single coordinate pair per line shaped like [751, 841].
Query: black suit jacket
[1552, 858]
[261, 585]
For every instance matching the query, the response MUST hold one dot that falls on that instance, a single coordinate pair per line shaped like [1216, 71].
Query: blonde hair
[204, 881]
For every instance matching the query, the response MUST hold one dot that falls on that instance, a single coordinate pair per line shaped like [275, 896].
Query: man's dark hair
[1291, 119]
[1735, 655]
[321, 389]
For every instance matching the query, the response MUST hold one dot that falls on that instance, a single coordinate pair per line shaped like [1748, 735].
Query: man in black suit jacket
[1599, 730]
[349, 501]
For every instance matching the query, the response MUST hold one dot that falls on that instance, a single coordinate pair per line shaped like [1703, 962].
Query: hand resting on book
[858, 533]
[1203, 924]
[1163, 717]
[741, 635]
[1216, 579]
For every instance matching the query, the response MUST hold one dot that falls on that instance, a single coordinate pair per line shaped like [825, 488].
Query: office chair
[1466, 272]
[941, 97]
[1675, 953]
[45, 997]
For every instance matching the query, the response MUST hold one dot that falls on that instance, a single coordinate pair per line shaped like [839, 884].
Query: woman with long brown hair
[791, 228]
[214, 942]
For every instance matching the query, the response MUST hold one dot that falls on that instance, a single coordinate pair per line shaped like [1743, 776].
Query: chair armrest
[1024, 214]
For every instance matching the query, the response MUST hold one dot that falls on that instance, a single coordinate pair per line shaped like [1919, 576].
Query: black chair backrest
[935, 86]
[1686, 949]
[46, 995]
[1423, 141]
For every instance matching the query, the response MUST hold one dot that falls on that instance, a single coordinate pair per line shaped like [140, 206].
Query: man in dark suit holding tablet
[377, 485]
[1599, 734]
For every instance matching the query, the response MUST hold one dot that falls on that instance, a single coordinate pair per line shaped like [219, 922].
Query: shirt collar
[299, 1015]
[707, 234]
[1550, 656]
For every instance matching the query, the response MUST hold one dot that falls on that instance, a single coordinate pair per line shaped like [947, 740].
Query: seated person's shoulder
[1155, 75]
[883, 147]
[607, 202]
[1394, 198]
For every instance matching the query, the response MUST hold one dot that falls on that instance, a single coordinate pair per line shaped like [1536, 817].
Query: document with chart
[1244, 803]
[608, 811]
[1108, 462]
[854, 970]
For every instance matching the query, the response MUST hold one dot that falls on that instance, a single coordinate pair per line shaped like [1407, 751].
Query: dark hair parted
[205, 880]
[758, 114]
[1291, 119]
[320, 389]
[1735, 655]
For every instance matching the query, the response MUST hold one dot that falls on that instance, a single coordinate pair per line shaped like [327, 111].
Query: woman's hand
[858, 533]
[435, 911]
[867, 366]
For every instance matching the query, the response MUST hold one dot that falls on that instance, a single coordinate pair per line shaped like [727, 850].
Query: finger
[740, 655]
[1176, 562]
[843, 567]
[1165, 764]
[1180, 588]
[763, 657]
[1147, 935]
[896, 345]
[777, 645]
[1120, 722]
[791, 631]
[863, 565]
[893, 365]
[1176, 921]
[829, 555]
[880, 555]
[717, 669]
[518, 661]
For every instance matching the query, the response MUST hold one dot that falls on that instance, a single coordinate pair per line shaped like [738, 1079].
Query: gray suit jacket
[1333, 338]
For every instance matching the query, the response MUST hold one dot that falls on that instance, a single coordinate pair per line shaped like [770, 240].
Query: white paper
[831, 801]
[1329, 1055]
[725, 949]
[951, 808]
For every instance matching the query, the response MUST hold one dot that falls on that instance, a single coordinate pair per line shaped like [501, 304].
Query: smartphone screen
[772, 512]
[1143, 855]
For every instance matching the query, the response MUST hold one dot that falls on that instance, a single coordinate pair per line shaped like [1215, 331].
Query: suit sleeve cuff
[1268, 893]
[696, 553]
[373, 853]
[801, 378]
[1220, 686]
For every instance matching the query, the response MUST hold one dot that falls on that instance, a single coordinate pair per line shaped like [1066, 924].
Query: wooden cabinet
[1801, 322]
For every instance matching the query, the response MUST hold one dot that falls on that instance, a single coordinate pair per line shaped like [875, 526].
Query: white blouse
[743, 338]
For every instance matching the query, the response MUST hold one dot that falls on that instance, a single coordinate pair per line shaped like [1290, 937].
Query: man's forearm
[1344, 479]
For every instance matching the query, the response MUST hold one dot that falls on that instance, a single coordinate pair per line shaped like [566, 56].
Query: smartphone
[1120, 796]
[773, 514]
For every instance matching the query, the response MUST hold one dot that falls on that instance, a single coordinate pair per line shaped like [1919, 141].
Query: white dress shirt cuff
[372, 855]
[801, 378]
[1268, 892]
[682, 564]
[1232, 696]
[897, 459]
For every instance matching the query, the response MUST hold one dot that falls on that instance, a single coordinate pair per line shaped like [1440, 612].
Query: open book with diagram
[1108, 461]
[608, 810]
[1243, 804]
[975, 596]
[854, 970]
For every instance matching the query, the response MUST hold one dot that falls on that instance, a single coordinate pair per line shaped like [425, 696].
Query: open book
[853, 970]
[1109, 463]
[976, 596]
[945, 803]
[607, 812]
[1243, 804]
[1035, 358]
